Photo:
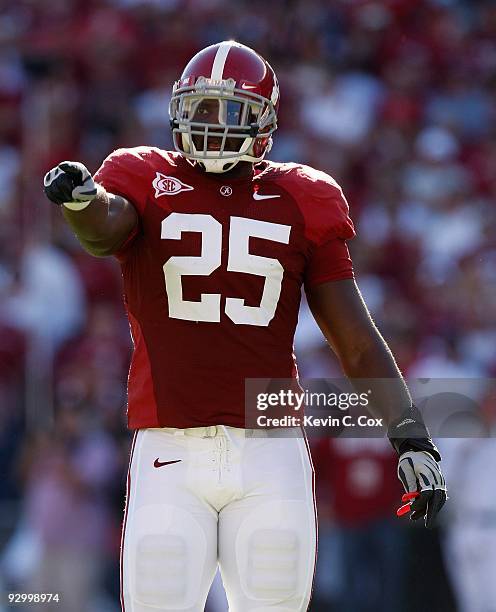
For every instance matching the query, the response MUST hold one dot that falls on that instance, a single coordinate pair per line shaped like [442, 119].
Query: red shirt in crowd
[357, 477]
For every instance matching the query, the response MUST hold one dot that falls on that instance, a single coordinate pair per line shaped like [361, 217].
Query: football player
[215, 244]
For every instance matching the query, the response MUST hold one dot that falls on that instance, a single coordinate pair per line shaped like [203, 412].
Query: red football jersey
[213, 277]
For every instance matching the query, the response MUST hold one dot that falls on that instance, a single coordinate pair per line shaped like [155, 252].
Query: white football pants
[215, 495]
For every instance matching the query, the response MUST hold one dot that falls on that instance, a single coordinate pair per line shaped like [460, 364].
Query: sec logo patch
[168, 185]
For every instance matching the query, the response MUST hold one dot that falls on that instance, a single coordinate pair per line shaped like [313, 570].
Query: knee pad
[273, 557]
[164, 558]
[276, 553]
[160, 570]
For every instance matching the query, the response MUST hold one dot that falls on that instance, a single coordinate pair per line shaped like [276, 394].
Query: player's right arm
[102, 221]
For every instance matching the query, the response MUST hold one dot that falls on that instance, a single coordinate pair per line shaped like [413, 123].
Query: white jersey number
[239, 260]
[208, 308]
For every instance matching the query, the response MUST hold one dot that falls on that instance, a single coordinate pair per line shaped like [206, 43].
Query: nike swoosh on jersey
[245, 86]
[258, 196]
[158, 463]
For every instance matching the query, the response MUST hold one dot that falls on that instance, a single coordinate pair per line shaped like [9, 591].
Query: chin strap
[227, 165]
[409, 433]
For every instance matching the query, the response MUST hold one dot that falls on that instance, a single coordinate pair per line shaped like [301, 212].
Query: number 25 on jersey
[241, 230]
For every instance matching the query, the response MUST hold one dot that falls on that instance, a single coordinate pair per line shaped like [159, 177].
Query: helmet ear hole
[254, 127]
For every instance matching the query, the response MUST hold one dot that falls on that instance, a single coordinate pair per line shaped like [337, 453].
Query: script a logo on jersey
[168, 185]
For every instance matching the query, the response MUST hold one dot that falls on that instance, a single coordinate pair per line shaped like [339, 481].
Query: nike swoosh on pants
[158, 463]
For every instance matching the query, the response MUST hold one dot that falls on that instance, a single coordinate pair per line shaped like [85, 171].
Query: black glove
[418, 467]
[424, 485]
[69, 182]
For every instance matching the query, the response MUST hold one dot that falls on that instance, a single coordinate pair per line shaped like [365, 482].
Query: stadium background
[396, 100]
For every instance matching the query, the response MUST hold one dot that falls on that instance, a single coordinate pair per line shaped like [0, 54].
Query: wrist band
[77, 205]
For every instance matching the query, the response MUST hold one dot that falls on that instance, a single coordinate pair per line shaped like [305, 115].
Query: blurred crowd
[395, 99]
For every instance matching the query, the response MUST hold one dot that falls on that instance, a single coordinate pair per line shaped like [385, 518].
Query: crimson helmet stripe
[220, 60]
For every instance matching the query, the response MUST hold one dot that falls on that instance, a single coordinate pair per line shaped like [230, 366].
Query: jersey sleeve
[125, 172]
[328, 227]
[330, 261]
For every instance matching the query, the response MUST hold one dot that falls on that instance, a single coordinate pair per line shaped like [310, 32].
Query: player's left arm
[345, 321]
